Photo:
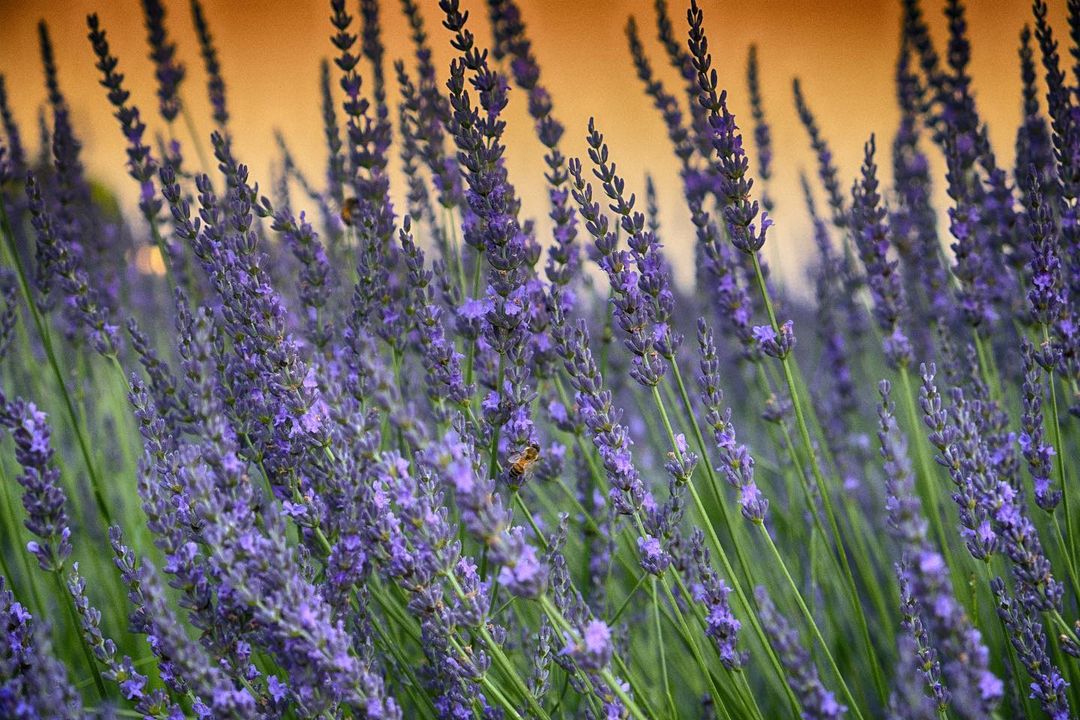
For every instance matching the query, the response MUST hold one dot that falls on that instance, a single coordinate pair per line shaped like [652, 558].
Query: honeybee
[348, 210]
[522, 462]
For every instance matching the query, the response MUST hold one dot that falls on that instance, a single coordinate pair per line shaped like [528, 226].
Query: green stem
[46, 342]
[516, 500]
[725, 509]
[457, 261]
[811, 622]
[69, 602]
[561, 623]
[200, 151]
[119, 712]
[815, 468]
[661, 652]
[1059, 450]
[929, 488]
[986, 367]
[420, 698]
[470, 359]
[1064, 626]
[1063, 544]
[11, 530]
[493, 463]
[691, 642]
[626, 601]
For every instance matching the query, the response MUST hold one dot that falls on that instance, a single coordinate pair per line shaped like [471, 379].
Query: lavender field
[300, 447]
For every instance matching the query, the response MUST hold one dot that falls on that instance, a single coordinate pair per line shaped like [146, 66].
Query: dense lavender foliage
[308, 453]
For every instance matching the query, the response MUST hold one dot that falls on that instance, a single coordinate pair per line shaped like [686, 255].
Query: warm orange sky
[844, 50]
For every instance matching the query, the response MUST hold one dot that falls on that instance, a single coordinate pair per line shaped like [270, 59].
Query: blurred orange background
[844, 51]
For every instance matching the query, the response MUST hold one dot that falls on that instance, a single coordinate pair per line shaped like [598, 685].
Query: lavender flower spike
[57, 261]
[141, 166]
[762, 133]
[33, 684]
[169, 72]
[1037, 451]
[737, 462]
[730, 160]
[710, 591]
[883, 276]
[215, 84]
[1025, 632]
[928, 663]
[818, 703]
[43, 498]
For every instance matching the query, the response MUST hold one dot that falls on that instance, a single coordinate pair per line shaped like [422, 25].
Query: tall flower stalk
[740, 213]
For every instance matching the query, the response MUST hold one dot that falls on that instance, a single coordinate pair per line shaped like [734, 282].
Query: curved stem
[73, 615]
[1059, 449]
[750, 609]
[811, 622]
[819, 478]
[50, 354]
[929, 488]
[660, 650]
[725, 510]
[193, 131]
[470, 357]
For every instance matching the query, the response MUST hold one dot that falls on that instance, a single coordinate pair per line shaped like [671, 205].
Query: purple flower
[1037, 451]
[954, 434]
[43, 497]
[277, 689]
[973, 262]
[169, 72]
[315, 276]
[523, 573]
[133, 687]
[33, 684]
[57, 260]
[610, 437]
[641, 297]
[736, 461]
[712, 593]
[141, 165]
[868, 223]
[777, 345]
[1025, 632]
[826, 167]
[16, 160]
[927, 662]
[474, 308]
[334, 428]
[762, 134]
[593, 648]
[654, 559]
[511, 40]
[214, 82]
[818, 703]
[730, 161]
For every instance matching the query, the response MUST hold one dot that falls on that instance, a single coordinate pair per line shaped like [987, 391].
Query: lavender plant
[362, 458]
